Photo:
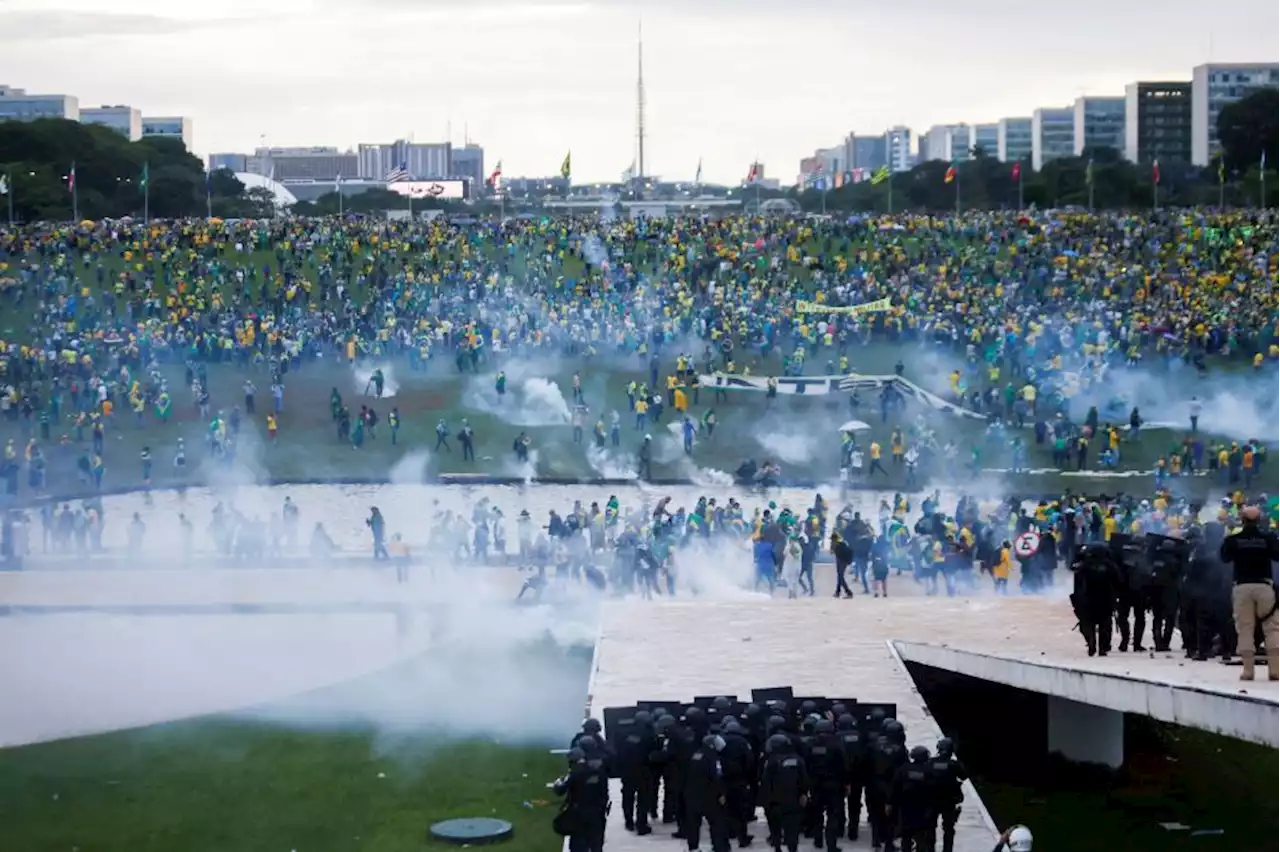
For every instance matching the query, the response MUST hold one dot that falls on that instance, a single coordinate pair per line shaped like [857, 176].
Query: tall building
[318, 163]
[897, 149]
[1052, 135]
[1013, 140]
[1214, 86]
[17, 105]
[374, 162]
[424, 160]
[125, 120]
[1098, 123]
[864, 152]
[235, 162]
[173, 126]
[986, 137]
[467, 162]
[949, 142]
[1157, 122]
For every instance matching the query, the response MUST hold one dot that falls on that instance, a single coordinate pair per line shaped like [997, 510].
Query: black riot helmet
[919, 754]
[824, 726]
[665, 724]
[751, 711]
[946, 747]
[731, 726]
[713, 742]
[575, 755]
[722, 704]
[838, 709]
[776, 744]
[807, 707]
[591, 726]
[846, 722]
[775, 723]
[642, 717]
[589, 745]
[808, 723]
[877, 717]
[693, 714]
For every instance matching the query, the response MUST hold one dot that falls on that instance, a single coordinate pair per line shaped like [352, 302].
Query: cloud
[58, 25]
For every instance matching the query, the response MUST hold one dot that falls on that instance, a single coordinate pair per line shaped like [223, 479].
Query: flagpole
[1021, 206]
[75, 196]
[8, 190]
[146, 194]
[1222, 188]
[891, 191]
[208, 201]
[340, 210]
[1262, 181]
[957, 191]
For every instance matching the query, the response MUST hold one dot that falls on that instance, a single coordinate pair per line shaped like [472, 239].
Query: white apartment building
[125, 120]
[1013, 139]
[898, 149]
[1215, 85]
[1053, 132]
[949, 142]
[17, 105]
[173, 126]
[1098, 123]
[986, 137]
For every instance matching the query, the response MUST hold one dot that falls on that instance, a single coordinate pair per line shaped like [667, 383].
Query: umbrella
[855, 426]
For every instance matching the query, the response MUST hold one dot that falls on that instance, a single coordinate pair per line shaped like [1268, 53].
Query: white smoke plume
[362, 379]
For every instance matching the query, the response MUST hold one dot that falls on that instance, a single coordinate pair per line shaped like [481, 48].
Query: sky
[727, 81]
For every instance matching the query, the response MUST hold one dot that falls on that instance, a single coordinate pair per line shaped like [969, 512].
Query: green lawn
[221, 784]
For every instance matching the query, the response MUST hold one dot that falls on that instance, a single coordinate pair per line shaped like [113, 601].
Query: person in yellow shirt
[1109, 525]
[1003, 567]
[875, 452]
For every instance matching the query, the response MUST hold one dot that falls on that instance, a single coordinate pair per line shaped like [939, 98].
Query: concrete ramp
[660, 651]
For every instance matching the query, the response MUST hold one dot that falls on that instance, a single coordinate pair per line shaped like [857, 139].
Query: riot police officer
[784, 791]
[1094, 594]
[948, 775]
[586, 792]
[1250, 553]
[911, 798]
[887, 757]
[1131, 560]
[739, 763]
[854, 744]
[704, 795]
[634, 752]
[830, 776]
[1163, 587]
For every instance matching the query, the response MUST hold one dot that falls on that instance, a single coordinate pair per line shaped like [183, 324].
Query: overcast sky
[726, 80]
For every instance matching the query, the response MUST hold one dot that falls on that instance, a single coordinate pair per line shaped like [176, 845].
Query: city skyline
[724, 82]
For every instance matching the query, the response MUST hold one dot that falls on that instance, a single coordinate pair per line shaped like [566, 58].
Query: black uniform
[704, 796]
[948, 775]
[1093, 598]
[1134, 569]
[634, 753]
[784, 790]
[854, 744]
[830, 775]
[586, 792]
[1163, 587]
[912, 798]
[886, 758]
[739, 763]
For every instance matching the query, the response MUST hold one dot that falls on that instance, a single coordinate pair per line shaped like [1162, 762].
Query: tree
[1247, 128]
[39, 154]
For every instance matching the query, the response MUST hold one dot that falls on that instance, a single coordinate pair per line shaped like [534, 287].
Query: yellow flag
[565, 168]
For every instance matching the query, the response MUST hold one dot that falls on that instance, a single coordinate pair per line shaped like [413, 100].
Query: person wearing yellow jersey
[876, 464]
[1001, 571]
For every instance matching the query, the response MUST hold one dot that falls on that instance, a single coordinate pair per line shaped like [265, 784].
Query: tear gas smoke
[533, 402]
[362, 379]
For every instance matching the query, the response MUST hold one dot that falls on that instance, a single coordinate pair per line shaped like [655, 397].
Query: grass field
[801, 433]
[251, 784]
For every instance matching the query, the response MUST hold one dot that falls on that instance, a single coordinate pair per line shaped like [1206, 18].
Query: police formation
[1216, 589]
[810, 772]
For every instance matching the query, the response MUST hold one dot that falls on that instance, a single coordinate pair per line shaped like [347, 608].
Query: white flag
[4, 184]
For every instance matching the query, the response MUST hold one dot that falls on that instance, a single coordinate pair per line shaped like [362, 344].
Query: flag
[337, 184]
[1017, 171]
[629, 173]
[838, 179]
[951, 174]
[697, 177]
[1155, 171]
[566, 168]
[1088, 172]
[495, 177]
[145, 178]
[882, 174]
[4, 184]
[71, 179]
[753, 173]
[399, 174]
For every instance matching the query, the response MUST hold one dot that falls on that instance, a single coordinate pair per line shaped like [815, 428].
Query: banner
[846, 310]
[798, 385]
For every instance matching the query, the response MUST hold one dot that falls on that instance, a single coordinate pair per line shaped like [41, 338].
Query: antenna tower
[639, 101]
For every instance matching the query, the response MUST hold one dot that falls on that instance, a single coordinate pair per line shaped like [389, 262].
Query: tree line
[114, 177]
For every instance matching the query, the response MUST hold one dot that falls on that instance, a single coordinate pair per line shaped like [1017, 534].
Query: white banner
[821, 385]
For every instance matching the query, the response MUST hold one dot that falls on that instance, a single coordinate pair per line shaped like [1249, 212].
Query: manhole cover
[477, 830]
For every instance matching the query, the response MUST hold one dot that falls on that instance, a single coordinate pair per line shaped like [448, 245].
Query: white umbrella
[855, 426]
